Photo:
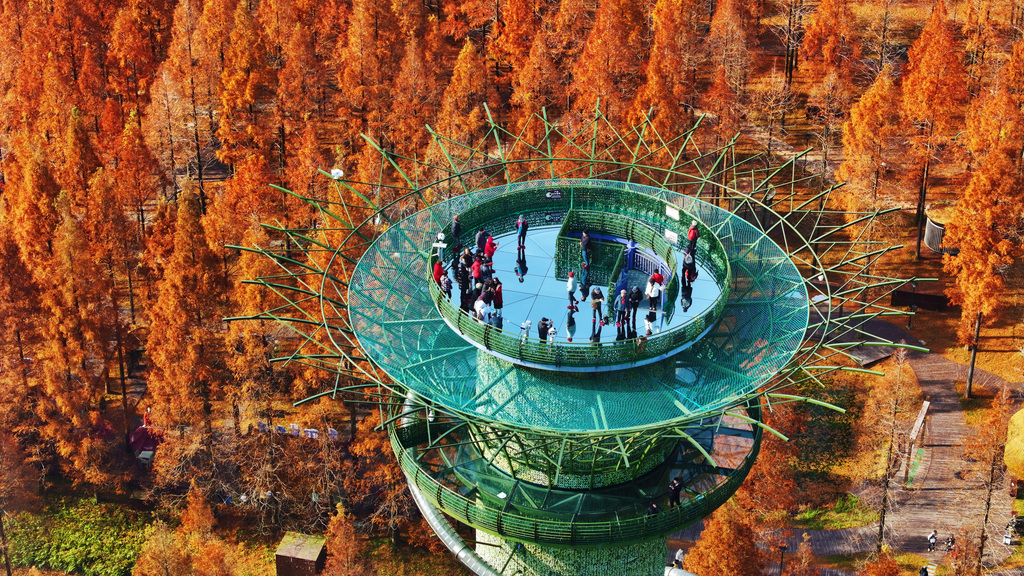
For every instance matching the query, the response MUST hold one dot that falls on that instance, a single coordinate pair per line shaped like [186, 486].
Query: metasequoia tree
[772, 101]
[979, 34]
[790, 31]
[728, 43]
[986, 449]
[868, 138]
[364, 62]
[609, 67]
[462, 117]
[139, 36]
[664, 89]
[183, 99]
[831, 43]
[415, 97]
[830, 100]
[569, 32]
[243, 83]
[375, 479]
[184, 348]
[344, 546]
[722, 102]
[934, 94]
[726, 546]
[879, 38]
[771, 486]
[987, 211]
[520, 27]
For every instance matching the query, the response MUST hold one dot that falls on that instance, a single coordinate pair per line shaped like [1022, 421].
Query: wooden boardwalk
[938, 496]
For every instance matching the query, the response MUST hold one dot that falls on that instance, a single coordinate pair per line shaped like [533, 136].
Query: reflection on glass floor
[538, 294]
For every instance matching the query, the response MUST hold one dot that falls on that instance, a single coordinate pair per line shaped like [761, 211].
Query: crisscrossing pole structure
[556, 451]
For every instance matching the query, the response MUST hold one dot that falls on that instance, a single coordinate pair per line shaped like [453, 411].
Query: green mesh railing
[558, 529]
[639, 223]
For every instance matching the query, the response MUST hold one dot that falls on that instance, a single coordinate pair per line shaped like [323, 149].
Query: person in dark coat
[585, 249]
[635, 296]
[481, 240]
[521, 227]
[675, 487]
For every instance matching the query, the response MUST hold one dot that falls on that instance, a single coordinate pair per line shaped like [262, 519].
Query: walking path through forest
[937, 496]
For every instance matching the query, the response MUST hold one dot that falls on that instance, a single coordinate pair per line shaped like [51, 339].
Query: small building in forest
[301, 555]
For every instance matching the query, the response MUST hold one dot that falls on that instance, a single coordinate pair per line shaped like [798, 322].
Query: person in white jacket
[571, 286]
[653, 293]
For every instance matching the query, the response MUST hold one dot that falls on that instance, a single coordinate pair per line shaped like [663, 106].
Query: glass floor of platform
[542, 295]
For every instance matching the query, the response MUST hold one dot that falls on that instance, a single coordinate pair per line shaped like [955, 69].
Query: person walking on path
[923, 572]
[585, 249]
[932, 539]
[675, 487]
[571, 285]
[596, 298]
[692, 235]
[522, 226]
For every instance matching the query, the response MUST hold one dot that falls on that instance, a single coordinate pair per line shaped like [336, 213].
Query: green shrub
[80, 536]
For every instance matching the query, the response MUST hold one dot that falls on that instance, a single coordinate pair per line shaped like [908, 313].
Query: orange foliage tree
[934, 93]
[726, 546]
[987, 210]
[869, 136]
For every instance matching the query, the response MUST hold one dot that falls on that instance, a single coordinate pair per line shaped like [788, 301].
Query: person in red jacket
[692, 235]
[438, 272]
[490, 247]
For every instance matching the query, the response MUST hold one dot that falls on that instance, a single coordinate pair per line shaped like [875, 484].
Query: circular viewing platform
[630, 242]
[743, 321]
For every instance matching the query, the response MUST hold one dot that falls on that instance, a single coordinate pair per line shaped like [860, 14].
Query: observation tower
[548, 453]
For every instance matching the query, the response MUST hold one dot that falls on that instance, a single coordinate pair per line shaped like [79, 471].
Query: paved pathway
[937, 497]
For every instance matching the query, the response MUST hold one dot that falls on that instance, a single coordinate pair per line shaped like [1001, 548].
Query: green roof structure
[554, 449]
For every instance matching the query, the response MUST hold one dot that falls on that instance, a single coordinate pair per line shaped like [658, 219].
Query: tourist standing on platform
[596, 298]
[634, 302]
[446, 285]
[622, 309]
[675, 487]
[653, 293]
[621, 314]
[692, 235]
[490, 246]
[499, 298]
[456, 234]
[585, 249]
[522, 226]
[438, 272]
[543, 328]
[571, 285]
[481, 240]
